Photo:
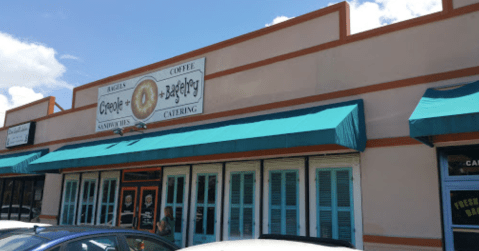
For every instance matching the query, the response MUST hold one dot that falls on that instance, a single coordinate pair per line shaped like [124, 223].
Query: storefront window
[97, 198]
[205, 209]
[128, 206]
[174, 199]
[17, 196]
[465, 239]
[7, 198]
[463, 162]
[88, 196]
[460, 196]
[148, 204]
[108, 201]
[465, 207]
[26, 208]
[1, 188]
[69, 202]
[37, 199]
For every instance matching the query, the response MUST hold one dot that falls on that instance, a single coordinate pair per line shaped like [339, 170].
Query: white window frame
[243, 166]
[176, 170]
[70, 177]
[108, 175]
[337, 161]
[293, 163]
[87, 176]
[199, 169]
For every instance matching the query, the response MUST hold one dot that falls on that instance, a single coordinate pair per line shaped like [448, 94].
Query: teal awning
[445, 112]
[18, 162]
[341, 124]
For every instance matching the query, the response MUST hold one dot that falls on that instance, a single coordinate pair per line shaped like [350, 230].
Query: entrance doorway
[205, 216]
[175, 198]
[21, 198]
[462, 232]
[460, 196]
[139, 199]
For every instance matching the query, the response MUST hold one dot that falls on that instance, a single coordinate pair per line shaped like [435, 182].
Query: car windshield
[20, 242]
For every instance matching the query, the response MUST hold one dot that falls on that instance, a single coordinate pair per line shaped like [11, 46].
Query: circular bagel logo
[144, 99]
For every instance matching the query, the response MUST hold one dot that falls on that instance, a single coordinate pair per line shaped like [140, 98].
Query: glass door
[128, 205]
[175, 198]
[20, 198]
[147, 208]
[205, 218]
[107, 203]
[70, 190]
[460, 197]
[88, 191]
[7, 199]
[462, 232]
[138, 208]
[138, 198]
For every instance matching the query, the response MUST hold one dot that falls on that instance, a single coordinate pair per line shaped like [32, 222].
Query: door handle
[135, 222]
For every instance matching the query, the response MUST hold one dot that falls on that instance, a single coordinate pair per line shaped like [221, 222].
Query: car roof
[261, 244]
[12, 224]
[309, 239]
[55, 235]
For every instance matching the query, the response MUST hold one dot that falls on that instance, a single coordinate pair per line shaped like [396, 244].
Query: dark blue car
[80, 238]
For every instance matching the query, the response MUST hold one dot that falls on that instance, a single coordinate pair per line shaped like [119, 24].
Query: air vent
[134, 142]
[112, 146]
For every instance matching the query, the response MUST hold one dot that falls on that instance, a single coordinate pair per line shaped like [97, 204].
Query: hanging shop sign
[166, 94]
[20, 135]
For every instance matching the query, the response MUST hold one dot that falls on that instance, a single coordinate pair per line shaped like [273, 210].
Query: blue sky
[49, 47]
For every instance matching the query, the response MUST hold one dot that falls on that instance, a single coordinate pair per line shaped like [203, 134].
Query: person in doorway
[167, 223]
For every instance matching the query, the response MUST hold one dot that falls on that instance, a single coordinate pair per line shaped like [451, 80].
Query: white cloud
[23, 67]
[278, 19]
[68, 56]
[19, 96]
[29, 64]
[373, 14]
[367, 15]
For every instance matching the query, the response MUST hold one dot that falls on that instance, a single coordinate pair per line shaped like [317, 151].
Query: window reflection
[20, 198]
[463, 162]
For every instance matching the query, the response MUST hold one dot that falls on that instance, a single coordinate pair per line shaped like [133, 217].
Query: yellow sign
[468, 203]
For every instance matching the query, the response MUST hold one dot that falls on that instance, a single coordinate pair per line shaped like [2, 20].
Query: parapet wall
[29, 112]
[461, 3]
[300, 33]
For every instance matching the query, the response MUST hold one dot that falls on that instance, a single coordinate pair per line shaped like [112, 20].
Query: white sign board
[166, 94]
[20, 135]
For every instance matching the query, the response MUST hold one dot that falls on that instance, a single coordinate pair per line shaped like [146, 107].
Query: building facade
[298, 128]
